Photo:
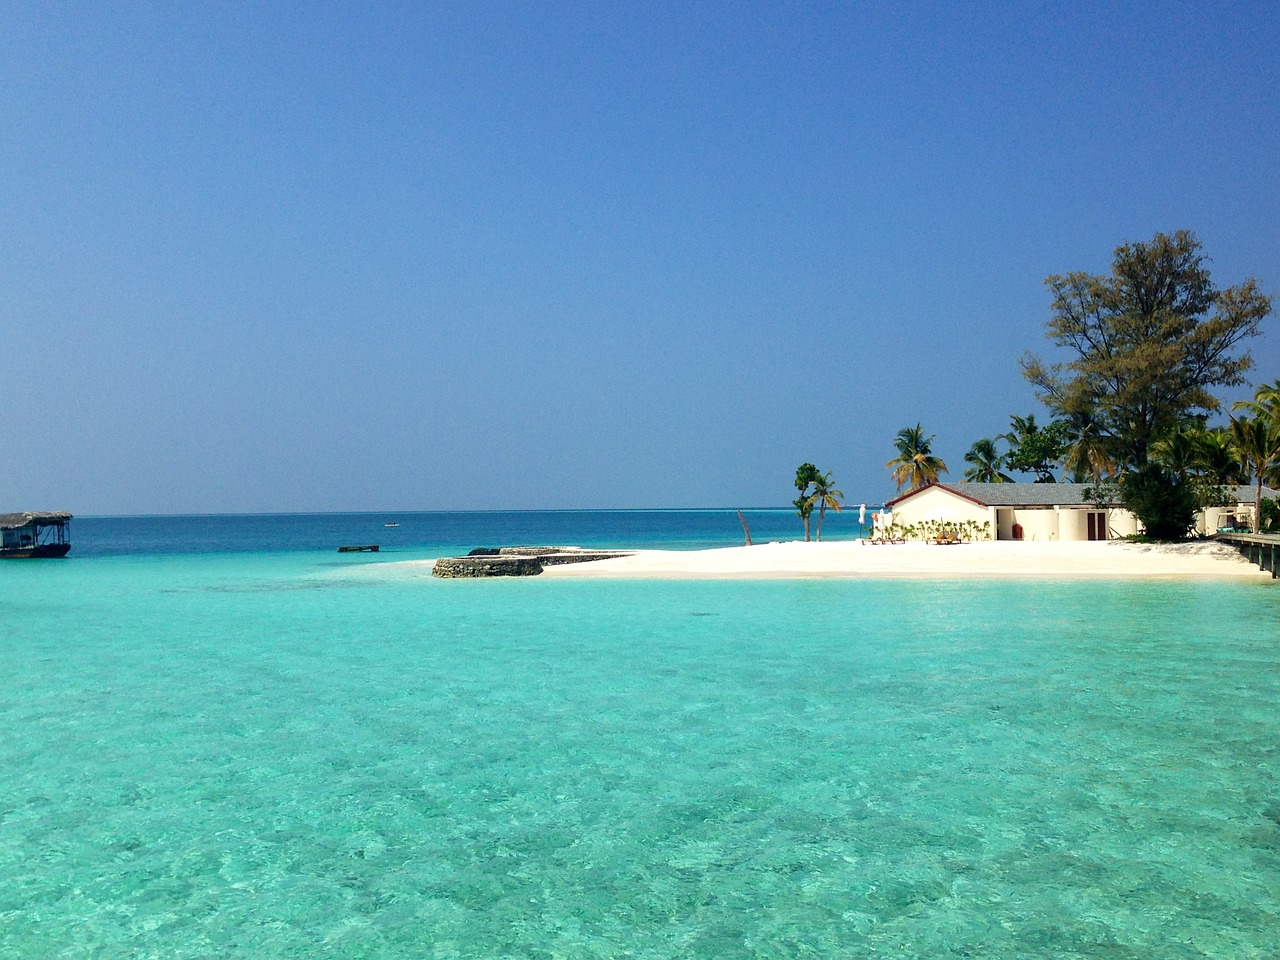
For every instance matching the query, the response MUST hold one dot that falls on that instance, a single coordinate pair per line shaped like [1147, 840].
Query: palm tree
[915, 462]
[1033, 449]
[1178, 449]
[1257, 441]
[824, 495]
[806, 474]
[1086, 454]
[1216, 457]
[1265, 402]
[1266, 407]
[986, 463]
[1019, 429]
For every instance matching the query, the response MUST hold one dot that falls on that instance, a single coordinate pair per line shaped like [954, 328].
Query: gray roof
[1060, 494]
[1248, 493]
[1023, 494]
[11, 521]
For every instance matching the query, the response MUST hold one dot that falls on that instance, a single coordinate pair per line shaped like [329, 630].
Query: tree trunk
[745, 528]
[806, 529]
[1257, 505]
[821, 511]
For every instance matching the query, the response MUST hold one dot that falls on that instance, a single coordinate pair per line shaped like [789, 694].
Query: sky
[298, 257]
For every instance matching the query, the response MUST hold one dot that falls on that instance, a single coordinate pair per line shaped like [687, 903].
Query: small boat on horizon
[391, 524]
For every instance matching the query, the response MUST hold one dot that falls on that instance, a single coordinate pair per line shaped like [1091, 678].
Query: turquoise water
[445, 533]
[290, 755]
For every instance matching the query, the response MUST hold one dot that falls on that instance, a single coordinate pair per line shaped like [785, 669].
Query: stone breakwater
[516, 561]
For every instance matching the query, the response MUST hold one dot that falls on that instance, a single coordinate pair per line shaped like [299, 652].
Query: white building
[1047, 511]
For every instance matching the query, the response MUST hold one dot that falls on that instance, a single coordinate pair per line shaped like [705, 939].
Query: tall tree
[1148, 344]
[824, 495]
[986, 463]
[806, 475]
[915, 462]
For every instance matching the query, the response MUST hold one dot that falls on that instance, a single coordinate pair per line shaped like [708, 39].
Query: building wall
[1004, 523]
[1121, 522]
[1073, 523]
[938, 504]
[1061, 523]
[1038, 523]
[1215, 518]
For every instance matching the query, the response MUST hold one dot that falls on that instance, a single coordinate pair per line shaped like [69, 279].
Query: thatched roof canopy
[11, 521]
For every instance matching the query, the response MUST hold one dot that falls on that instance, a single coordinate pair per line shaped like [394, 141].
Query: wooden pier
[1260, 548]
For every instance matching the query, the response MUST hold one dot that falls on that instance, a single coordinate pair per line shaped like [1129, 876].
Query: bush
[1270, 516]
[1165, 503]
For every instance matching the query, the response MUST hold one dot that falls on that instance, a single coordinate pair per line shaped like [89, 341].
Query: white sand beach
[986, 559]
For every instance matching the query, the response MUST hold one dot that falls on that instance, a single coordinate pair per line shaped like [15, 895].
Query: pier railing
[1260, 548]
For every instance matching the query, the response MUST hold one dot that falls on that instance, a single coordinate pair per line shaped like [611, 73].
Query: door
[1097, 526]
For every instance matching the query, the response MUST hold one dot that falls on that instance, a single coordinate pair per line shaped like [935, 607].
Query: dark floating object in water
[29, 535]
[359, 548]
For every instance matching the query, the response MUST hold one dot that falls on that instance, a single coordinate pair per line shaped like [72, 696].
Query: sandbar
[990, 559]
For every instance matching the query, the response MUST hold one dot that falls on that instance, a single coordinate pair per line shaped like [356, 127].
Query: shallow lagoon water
[294, 755]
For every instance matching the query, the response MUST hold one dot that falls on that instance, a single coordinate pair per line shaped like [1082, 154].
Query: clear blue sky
[293, 257]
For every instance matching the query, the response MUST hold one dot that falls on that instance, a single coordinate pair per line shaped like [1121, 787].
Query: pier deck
[1260, 548]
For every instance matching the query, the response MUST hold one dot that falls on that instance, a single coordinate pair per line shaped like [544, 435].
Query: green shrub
[1270, 516]
[1165, 503]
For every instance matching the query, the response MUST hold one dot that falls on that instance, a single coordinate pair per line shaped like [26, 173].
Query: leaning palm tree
[915, 462]
[1257, 441]
[986, 463]
[824, 495]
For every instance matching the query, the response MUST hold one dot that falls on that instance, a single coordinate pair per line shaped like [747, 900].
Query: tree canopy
[1149, 343]
[806, 476]
[1035, 449]
[915, 463]
[824, 495]
[986, 463]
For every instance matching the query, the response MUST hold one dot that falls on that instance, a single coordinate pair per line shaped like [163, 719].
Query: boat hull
[35, 552]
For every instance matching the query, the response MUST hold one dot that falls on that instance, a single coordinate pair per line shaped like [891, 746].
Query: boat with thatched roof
[24, 535]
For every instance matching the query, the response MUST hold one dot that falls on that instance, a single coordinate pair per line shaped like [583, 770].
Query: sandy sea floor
[290, 754]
